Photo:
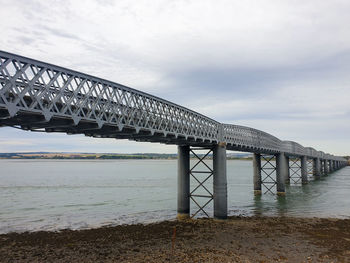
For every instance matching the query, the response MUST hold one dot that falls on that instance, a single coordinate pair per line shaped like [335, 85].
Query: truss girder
[30, 88]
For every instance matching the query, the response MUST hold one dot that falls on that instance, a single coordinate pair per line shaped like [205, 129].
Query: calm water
[57, 194]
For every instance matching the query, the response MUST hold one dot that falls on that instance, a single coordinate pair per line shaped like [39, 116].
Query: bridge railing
[293, 148]
[311, 152]
[32, 86]
[242, 136]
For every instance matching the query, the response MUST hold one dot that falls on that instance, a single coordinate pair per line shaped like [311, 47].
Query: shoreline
[238, 239]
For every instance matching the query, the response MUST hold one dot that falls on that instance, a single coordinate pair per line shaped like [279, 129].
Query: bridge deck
[38, 96]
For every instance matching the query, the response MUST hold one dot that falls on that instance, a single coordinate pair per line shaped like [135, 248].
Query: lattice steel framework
[38, 88]
[268, 173]
[248, 139]
[310, 167]
[39, 96]
[202, 173]
[295, 170]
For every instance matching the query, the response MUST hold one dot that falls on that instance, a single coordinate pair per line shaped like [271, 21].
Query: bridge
[38, 96]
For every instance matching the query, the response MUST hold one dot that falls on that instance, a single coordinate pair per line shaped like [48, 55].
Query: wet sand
[238, 239]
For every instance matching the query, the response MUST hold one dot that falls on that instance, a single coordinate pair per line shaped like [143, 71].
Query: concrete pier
[331, 168]
[326, 169]
[287, 178]
[183, 182]
[220, 181]
[303, 162]
[281, 173]
[318, 167]
[314, 166]
[257, 173]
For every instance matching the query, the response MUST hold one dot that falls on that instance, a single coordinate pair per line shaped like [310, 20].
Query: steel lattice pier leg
[295, 169]
[183, 182]
[268, 171]
[310, 167]
[202, 173]
[220, 181]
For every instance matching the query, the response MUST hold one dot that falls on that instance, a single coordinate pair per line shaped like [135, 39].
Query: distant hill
[65, 155]
[102, 156]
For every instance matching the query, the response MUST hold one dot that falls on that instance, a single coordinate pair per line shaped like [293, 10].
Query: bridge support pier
[257, 173]
[326, 170]
[287, 179]
[183, 182]
[313, 167]
[281, 173]
[220, 181]
[331, 167]
[303, 166]
[317, 167]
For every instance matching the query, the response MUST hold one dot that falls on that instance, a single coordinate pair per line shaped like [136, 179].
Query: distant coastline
[104, 156]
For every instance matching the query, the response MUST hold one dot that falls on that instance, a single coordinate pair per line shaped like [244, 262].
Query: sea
[51, 195]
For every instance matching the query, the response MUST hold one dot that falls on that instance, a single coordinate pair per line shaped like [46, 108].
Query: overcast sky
[278, 66]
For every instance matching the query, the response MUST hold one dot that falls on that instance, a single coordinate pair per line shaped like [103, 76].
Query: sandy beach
[238, 239]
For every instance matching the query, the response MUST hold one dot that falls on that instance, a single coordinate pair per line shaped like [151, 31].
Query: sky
[278, 66]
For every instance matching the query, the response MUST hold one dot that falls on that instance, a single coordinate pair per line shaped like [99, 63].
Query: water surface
[57, 194]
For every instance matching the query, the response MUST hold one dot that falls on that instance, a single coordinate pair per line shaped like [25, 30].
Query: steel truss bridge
[38, 96]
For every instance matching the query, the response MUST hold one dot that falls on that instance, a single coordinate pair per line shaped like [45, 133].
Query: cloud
[272, 65]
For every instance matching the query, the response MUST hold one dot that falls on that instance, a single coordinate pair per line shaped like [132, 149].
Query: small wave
[85, 205]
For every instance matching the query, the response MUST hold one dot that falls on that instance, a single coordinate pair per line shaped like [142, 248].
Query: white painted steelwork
[42, 97]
